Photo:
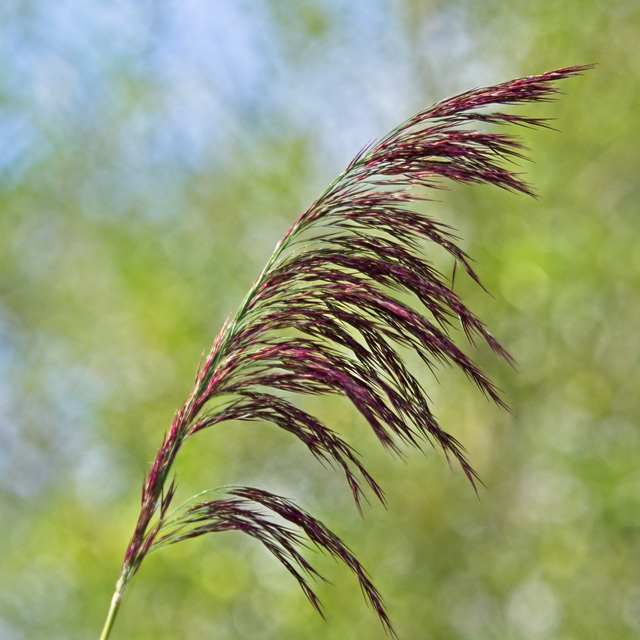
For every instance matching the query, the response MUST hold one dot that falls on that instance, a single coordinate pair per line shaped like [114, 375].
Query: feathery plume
[322, 318]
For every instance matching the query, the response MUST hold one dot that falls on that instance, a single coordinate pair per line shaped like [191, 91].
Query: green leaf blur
[151, 156]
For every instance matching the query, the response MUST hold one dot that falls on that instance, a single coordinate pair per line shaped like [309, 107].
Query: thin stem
[113, 609]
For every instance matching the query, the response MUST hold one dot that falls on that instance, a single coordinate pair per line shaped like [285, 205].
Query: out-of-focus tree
[150, 157]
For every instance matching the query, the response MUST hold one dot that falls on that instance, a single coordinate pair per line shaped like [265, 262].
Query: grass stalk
[116, 600]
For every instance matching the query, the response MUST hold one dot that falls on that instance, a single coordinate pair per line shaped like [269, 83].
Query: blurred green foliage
[151, 155]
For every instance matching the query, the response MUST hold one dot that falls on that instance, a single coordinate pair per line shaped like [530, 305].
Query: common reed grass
[322, 318]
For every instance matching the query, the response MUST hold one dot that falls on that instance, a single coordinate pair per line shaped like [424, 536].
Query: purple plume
[325, 317]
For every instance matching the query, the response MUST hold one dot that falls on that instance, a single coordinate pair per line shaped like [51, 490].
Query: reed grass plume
[325, 317]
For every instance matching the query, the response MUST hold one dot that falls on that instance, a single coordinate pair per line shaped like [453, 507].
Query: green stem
[113, 609]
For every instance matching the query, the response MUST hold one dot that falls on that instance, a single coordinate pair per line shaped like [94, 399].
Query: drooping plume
[325, 317]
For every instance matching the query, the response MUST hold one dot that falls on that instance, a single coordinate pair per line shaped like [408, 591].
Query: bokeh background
[151, 155]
